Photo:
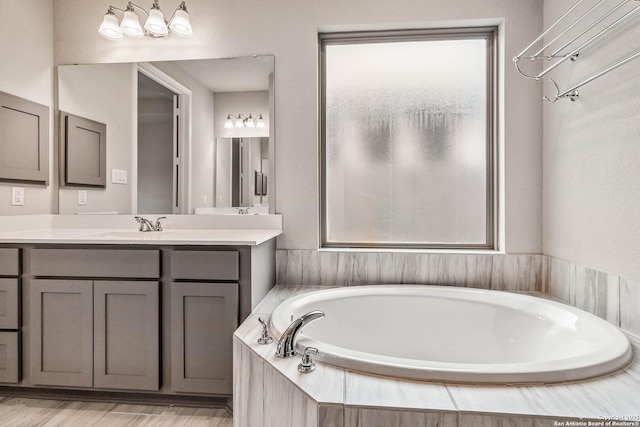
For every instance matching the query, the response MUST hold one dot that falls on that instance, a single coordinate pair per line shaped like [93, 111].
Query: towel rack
[580, 31]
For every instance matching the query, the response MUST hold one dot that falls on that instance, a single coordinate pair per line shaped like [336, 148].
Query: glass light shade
[180, 23]
[239, 122]
[110, 28]
[228, 123]
[130, 25]
[260, 122]
[250, 123]
[155, 24]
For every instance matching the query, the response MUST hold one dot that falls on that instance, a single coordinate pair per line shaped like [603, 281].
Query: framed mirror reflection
[169, 142]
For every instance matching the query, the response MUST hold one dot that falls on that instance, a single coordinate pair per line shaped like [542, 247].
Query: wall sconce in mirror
[155, 26]
[242, 121]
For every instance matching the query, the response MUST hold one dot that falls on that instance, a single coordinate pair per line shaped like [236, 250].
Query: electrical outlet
[205, 199]
[119, 176]
[82, 197]
[17, 196]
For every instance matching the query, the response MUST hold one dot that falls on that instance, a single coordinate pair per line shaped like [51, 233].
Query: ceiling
[243, 74]
[232, 74]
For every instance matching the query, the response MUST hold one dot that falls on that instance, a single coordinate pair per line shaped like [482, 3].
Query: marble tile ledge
[354, 394]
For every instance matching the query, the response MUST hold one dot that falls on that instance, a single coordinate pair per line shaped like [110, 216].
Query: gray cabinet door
[9, 261]
[83, 151]
[10, 371]
[126, 335]
[61, 343]
[9, 304]
[203, 318]
[24, 140]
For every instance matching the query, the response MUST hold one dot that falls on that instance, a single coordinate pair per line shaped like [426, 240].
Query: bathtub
[451, 334]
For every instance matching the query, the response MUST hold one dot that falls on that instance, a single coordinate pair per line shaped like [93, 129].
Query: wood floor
[22, 412]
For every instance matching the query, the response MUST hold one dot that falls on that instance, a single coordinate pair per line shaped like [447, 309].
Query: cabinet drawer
[9, 261]
[96, 263]
[10, 371]
[9, 304]
[205, 265]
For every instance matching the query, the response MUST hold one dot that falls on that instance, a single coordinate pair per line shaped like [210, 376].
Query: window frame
[490, 34]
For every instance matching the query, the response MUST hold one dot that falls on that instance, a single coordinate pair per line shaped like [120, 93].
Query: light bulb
[180, 23]
[110, 28]
[155, 24]
[130, 24]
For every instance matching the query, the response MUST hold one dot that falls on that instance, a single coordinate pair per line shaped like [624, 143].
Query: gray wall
[155, 159]
[591, 152]
[202, 155]
[288, 30]
[104, 94]
[26, 64]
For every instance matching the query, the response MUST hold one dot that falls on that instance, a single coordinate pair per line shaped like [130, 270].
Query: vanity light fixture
[155, 26]
[242, 121]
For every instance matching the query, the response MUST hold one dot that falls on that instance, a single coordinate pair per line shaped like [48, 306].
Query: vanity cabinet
[10, 316]
[116, 318]
[204, 315]
[88, 332]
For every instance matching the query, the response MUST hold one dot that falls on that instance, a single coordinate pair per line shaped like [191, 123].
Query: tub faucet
[287, 343]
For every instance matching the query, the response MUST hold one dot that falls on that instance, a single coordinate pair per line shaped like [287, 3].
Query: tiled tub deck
[269, 392]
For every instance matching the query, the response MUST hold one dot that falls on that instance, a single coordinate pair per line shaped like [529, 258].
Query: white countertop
[247, 230]
[103, 236]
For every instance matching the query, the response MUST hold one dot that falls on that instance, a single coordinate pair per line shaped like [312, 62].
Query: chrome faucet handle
[265, 338]
[145, 225]
[158, 226]
[307, 365]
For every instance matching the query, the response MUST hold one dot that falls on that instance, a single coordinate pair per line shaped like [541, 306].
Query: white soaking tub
[454, 334]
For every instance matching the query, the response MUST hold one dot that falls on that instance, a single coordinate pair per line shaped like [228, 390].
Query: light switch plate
[17, 196]
[118, 176]
[82, 197]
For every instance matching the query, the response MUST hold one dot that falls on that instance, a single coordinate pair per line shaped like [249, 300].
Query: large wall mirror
[182, 137]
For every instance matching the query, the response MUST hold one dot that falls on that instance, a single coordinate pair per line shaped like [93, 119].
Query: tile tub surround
[513, 272]
[609, 296]
[270, 392]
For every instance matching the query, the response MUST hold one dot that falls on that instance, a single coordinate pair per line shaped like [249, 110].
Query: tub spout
[287, 343]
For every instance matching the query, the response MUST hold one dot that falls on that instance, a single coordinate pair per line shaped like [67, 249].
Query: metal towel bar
[585, 28]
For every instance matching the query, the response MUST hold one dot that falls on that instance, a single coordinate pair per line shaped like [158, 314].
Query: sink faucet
[244, 211]
[146, 225]
[287, 343]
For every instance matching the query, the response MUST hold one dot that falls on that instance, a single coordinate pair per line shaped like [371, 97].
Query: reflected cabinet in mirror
[183, 137]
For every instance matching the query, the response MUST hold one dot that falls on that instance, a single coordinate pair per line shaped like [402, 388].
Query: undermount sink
[144, 235]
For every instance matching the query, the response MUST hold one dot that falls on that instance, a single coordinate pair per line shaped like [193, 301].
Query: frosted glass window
[407, 140]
